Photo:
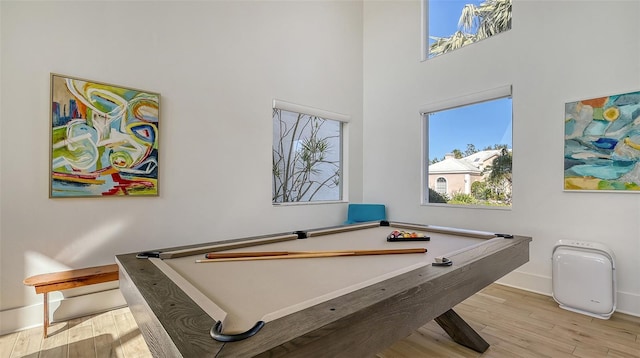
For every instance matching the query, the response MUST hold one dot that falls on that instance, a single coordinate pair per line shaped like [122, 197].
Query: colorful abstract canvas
[104, 139]
[602, 144]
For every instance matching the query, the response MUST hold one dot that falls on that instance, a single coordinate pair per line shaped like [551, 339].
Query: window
[307, 154]
[468, 150]
[452, 24]
[441, 185]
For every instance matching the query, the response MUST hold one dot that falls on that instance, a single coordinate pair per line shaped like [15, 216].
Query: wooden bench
[64, 280]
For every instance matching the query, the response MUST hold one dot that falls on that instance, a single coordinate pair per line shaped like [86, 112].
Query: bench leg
[46, 313]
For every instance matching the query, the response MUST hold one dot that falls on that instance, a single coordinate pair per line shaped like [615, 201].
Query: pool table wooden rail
[360, 323]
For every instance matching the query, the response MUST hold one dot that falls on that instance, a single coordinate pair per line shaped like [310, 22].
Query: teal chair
[358, 213]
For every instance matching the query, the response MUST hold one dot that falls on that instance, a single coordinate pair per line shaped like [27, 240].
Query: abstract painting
[602, 144]
[104, 139]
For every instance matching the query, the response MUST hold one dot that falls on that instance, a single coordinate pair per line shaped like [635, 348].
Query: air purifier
[584, 279]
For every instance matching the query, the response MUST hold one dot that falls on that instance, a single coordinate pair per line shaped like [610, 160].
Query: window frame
[424, 31]
[468, 99]
[344, 120]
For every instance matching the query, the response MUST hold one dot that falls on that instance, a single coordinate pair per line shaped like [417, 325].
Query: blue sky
[484, 124]
[444, 16]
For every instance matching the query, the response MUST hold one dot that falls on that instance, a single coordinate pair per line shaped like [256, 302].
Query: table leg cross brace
[461, 332]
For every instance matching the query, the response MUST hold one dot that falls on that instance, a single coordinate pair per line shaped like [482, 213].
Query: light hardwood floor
[516, 324]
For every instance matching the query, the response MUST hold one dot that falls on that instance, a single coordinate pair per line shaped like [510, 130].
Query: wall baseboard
[627, 303]
[21, 318]
[528, 282]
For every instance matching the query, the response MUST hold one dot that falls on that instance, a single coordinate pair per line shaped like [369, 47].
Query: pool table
[336, 306]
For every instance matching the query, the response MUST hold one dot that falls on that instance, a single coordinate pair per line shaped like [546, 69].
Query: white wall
[557, 51]
[218, 66]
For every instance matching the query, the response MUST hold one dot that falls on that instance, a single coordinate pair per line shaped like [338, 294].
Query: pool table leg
[461, 332]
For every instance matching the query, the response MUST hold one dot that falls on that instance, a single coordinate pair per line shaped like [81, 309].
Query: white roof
[472, 164]
[452, 165]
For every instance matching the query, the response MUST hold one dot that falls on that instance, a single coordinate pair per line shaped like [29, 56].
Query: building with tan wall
[451, 175]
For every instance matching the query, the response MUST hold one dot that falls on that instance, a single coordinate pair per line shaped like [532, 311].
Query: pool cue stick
[222, 257]
[229, 255]
[291, 256]
[225, 255]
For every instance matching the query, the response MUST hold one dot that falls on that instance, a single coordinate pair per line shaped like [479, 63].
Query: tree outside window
[477, 21]
[306, 158]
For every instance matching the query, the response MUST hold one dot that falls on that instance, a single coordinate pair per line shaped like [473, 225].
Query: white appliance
[584, 278]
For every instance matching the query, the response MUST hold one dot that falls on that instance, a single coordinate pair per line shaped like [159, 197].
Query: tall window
[452, 24]
[441, 185]
[468, 154]
[307, 154]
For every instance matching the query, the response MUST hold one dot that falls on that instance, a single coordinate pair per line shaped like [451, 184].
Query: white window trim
[467, 99]
[340, 117]
[298, 108]
[424, 27]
